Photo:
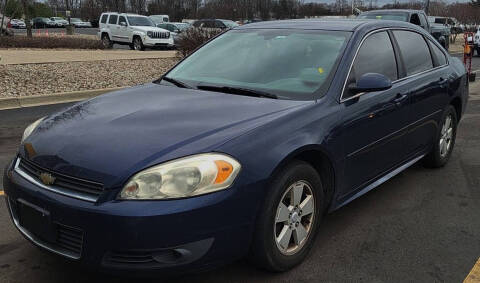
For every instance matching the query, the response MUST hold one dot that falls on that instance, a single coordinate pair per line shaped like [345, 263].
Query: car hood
[111, 137]
[145, 29]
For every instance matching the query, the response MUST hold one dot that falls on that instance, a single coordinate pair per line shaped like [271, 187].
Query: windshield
[292, 64]
[385, 16]
[230, 24]
[140, 21]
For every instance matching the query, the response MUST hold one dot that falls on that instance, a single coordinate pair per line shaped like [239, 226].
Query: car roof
[394, 10]
[328, 24]
[124, 14]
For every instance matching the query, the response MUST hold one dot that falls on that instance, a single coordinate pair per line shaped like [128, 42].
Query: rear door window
[113, 19]
[414, 51]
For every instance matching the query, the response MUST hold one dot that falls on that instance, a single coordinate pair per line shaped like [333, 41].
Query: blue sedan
[240, 149]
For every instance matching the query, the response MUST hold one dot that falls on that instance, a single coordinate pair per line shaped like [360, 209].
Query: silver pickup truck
[416, 17]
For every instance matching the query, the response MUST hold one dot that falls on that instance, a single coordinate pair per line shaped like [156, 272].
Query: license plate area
[36, 220]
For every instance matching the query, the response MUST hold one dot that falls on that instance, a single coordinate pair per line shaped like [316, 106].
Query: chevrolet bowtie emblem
[47, 178]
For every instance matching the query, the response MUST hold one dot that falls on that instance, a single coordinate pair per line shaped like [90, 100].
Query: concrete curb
[62, 97]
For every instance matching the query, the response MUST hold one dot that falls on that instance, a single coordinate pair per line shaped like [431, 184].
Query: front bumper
[158, 42]
[168, 236]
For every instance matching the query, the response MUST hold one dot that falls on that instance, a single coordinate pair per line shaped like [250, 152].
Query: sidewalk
[36, 56]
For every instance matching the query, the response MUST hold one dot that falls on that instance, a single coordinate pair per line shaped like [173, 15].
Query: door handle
[442, 82]
[400, 99]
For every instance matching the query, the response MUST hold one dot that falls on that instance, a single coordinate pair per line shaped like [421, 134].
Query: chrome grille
[66, 185]
[160, 34]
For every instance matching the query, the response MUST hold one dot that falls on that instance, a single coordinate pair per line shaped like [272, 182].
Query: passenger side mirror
[123, 24]
[370, 82]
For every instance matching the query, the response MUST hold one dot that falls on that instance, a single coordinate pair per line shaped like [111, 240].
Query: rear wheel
[445, 140]
[107, 43]
[289, 219]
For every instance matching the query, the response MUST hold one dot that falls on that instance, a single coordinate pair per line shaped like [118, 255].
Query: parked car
[94, 23]
[215, 24]
[441, 32]
[158, 19]
[134, 30]
[416, 17]
[175, 29]
[475, 42]
[59, 22]
[451, 23]
[40, 22]
[223, 158]
[17, 24]
[4, 29]
[78, 23]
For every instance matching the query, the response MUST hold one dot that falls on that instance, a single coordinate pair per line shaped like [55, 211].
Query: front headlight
[149, 33]
[184, 177]
[30, 128]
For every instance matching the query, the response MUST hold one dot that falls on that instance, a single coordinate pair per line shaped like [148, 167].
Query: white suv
[134, 30]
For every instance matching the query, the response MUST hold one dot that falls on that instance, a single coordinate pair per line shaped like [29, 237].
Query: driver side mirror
[370, 82]
[123, 24]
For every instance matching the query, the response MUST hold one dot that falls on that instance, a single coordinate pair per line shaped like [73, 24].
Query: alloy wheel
[446, 135]
[294, 218]
[137, 44]
[106, 41]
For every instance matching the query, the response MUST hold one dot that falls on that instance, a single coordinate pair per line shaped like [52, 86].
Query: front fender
[267, 148]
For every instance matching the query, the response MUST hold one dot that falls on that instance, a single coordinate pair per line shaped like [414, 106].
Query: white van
[159, 19]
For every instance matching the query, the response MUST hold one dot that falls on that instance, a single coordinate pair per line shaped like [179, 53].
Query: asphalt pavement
[421, 226]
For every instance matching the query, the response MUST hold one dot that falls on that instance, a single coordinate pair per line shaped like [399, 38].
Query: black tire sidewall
[267, 253]
[435, 159]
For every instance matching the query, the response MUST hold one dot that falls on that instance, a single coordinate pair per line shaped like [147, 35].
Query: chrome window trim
[54, 189]
[36, 240]
[342, 100]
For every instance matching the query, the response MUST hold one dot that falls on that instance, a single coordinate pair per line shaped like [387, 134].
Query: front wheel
[138, 44]
[444, 141]
[289, 219]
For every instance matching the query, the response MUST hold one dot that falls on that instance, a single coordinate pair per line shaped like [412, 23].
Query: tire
[107, 43]
[444, 140]
[266, 252]
[138, 44]
[131, 46]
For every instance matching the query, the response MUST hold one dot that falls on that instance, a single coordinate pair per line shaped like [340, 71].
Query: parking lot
[420, 226]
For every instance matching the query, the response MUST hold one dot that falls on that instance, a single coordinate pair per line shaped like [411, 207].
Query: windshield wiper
[238, 91]
[175, 82]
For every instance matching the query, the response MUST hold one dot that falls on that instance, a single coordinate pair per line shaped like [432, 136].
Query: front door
[375, 123]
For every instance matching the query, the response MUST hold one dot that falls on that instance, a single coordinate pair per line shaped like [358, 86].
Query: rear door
[375, 123]
[426, 81]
